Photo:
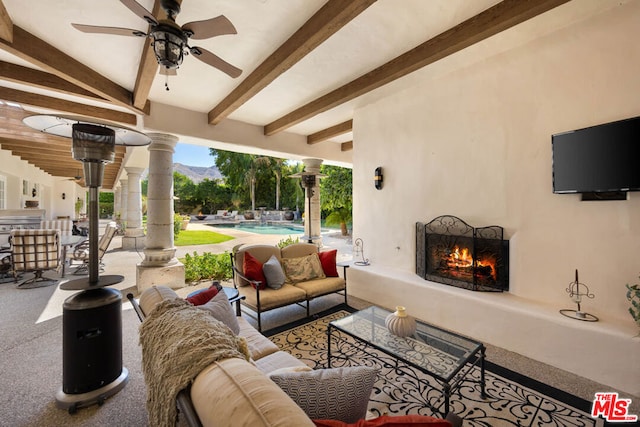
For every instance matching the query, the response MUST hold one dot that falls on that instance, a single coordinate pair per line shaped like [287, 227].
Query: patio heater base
[91, 348]
[73, 402]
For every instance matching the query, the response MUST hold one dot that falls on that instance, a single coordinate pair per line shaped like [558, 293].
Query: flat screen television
[598, 159]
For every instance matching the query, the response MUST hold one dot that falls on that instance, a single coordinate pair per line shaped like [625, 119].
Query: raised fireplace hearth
[450, 251]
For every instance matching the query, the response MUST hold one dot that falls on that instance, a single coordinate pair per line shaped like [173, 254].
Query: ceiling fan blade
[164, 71]
[217, 26]
[108, 30]
[140, 10]
[215, 61]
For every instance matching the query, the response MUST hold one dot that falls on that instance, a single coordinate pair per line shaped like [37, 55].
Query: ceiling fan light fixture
[168, 46]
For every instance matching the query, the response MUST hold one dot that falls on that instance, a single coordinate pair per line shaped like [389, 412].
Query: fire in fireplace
[450, 251]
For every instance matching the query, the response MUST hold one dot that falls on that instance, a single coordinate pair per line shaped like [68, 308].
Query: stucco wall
[476, 143]
[51, 188]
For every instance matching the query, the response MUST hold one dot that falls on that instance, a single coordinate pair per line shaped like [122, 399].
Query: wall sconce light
[377, 178]
[358, 253]
[64, 196]
[33, 192]
[576, 294]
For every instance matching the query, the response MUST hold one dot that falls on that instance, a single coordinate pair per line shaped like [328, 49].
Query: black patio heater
[92, 367]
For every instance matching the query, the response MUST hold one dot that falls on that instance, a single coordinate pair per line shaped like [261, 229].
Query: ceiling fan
[76, 177]
[169, 40]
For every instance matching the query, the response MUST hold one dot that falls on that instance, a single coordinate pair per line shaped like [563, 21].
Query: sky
[192, 155]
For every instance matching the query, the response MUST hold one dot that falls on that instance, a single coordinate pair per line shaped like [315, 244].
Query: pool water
[264, 228]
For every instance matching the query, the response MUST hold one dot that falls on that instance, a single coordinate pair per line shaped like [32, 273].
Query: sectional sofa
[256, 385]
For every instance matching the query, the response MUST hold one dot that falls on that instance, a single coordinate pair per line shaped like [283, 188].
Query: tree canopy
[251, 181]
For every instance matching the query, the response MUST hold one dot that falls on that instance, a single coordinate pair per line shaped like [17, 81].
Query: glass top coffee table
[445, 356]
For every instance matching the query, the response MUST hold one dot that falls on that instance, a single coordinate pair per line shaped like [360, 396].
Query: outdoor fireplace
[450, 251]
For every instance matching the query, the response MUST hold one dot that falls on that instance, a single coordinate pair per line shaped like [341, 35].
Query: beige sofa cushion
[272, 298]
[298, 250]
[277, 361]
[259, 345]
[152, 296]
[233, 393]
[318, 287]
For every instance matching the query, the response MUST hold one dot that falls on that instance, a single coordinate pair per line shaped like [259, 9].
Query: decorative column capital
[312, 165]
[162, 142]
[131, 170]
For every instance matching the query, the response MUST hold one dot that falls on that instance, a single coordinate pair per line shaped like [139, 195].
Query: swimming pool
[280, 229]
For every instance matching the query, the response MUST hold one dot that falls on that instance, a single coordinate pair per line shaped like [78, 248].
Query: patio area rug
[512, 399]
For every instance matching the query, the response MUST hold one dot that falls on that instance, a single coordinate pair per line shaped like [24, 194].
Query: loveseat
[260, 386]
[270, 277]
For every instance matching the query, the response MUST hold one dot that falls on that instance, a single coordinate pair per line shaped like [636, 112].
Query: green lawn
[200, 237]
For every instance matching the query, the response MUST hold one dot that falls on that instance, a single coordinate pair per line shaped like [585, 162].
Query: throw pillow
[389, 421]
[273, 273]
[303, 268]
[339, 393]
[203, 296]
[221, 310]
[252, 269]
[328, 261]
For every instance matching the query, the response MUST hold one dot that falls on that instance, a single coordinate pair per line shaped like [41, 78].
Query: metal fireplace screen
[450, 251]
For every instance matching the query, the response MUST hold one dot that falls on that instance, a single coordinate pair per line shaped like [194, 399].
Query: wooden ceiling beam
[494, 20]
[330, 132]
[148, 68]
[322, 25]
[40, 53]
[6, 24]
[346, 146]
[32, 77]
[67, 106]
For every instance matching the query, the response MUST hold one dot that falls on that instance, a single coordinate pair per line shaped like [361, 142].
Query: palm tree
[277, 166]
[340, 217]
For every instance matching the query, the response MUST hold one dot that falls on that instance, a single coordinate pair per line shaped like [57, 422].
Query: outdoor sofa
[270, 277]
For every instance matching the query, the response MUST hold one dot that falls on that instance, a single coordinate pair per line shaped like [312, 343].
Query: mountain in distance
[198, 173]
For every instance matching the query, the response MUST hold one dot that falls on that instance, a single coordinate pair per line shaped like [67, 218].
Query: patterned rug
[512, 399]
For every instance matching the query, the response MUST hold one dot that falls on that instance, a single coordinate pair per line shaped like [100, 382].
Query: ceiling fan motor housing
[171, 7]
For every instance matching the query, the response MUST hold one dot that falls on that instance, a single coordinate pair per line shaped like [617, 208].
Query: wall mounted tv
[602, 162]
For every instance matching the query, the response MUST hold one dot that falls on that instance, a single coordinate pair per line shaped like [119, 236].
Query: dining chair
[34, 251]
[81, 251]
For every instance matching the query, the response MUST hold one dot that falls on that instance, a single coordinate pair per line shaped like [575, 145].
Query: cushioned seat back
[233, 392]
[105, 239]
[298, 250]
[260, 252]
[64, 225]
[154, 295]
[36, 249]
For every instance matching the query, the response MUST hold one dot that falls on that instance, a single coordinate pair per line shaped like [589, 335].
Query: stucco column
[312, 227]
[117, 198]
[134, 233]
[124, 194]
[160, 265]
